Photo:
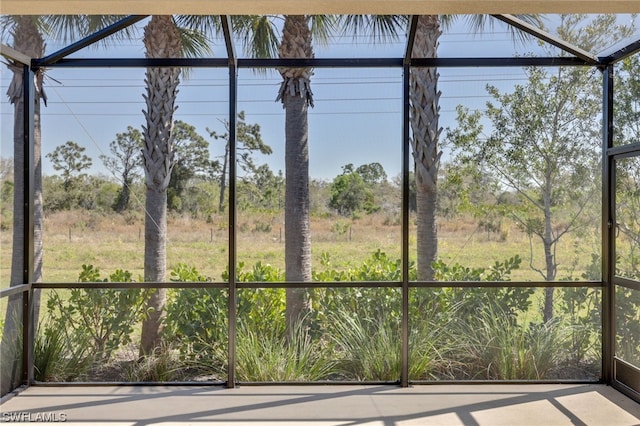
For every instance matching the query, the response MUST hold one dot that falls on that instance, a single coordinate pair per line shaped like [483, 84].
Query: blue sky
[357, 118]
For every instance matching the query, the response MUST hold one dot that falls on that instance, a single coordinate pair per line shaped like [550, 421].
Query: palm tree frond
[479, 23]
[194, 43]
[8, 23]
[531, 19]
[381, 28]
[258, 35]
[69, 28]
[322, 27]
[205, 24]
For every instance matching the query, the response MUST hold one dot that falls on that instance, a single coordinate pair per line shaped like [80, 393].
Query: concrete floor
[326, 405]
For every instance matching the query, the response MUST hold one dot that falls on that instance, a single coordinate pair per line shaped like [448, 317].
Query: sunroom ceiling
[459, 39]
[242, 7]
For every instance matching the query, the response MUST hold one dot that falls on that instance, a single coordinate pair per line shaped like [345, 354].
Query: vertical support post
[28, 87]
[233, 123]
[233, 87]
[404, 375]
[608, 229]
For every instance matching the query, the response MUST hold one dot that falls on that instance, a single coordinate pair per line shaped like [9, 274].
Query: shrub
[196, 318]
[104, 318]
[510, 300]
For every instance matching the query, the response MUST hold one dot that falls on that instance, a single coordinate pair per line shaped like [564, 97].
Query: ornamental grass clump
[500, 348]
[275, 357]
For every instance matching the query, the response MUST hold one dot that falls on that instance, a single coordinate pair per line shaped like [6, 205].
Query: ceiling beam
[244, 7]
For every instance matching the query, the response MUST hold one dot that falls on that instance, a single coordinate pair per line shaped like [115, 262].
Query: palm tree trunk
[297, 230]
[27, 39]
[296, 96]
[162, 40]
[155, 239]
[425, 112]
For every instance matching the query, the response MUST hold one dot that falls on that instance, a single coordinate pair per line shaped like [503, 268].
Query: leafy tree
[125, 162]
[544, 145]
[627, 118]
[191, 160]
[263, 189]
[372, 173]
[470, 189]
[352, 190]
[425, 114]
[348, 193]
[70, 160]
[6, 169]
[249, 140]
[627, 102]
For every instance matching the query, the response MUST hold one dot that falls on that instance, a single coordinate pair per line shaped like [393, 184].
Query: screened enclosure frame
[627, 382]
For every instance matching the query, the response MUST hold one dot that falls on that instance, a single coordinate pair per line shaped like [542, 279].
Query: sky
[357, 116]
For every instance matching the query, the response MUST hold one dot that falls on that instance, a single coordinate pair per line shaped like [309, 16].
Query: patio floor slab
[590, 405]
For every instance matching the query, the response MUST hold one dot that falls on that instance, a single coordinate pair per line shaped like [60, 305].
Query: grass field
[110, 242]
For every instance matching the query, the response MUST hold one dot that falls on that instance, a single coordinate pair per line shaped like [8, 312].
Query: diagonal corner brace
[228, 39]
[411, 38]
[89, 40]
[549, 38]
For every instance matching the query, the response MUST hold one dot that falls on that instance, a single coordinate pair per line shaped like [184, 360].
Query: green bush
[196, 318]
[468, 301]
[102, 318]
[333, 310]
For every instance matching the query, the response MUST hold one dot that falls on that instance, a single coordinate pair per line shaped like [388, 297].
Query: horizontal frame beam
[315, 63]
[626, 283]
[15, 290]
[624, 151]
[334, 284]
